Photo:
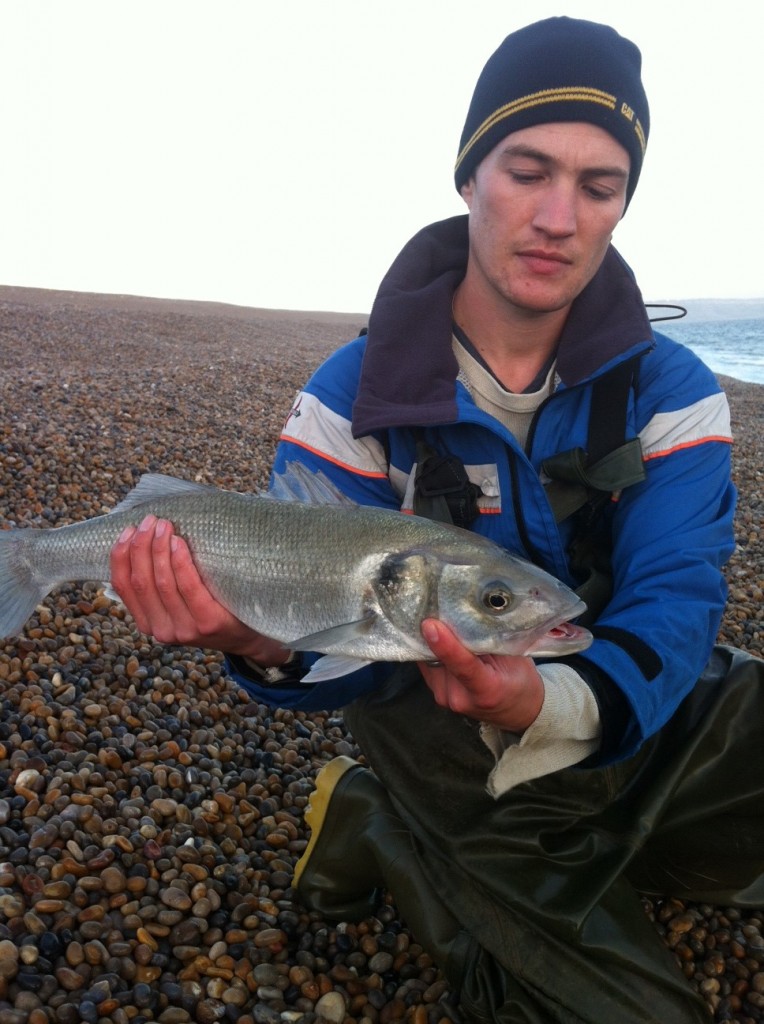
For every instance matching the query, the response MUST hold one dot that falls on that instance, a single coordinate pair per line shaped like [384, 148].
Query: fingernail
[430, 632]
[147, 524]
[126, 534]
[161, 528]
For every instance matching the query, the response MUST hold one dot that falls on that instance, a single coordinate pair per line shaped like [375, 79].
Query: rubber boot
[359, 845]
[338, 876]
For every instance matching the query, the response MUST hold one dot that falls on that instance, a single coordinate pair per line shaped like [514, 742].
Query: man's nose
[556, 211]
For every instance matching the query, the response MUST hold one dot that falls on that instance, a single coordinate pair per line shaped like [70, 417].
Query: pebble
[150, 812]
[331, 1007]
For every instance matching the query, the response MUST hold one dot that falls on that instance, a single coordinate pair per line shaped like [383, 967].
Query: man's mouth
[542, 261]
[550, 255]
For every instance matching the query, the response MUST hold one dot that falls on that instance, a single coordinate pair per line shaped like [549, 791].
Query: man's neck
[515, 343]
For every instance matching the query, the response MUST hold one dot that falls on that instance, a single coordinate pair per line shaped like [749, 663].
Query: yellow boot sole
[315, 812]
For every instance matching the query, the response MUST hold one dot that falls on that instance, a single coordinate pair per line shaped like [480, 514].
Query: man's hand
[154, 574]
[503, 690]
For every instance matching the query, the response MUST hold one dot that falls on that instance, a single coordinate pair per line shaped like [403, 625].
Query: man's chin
[535, 305]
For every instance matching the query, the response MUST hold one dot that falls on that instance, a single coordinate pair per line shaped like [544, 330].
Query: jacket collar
[409, 370]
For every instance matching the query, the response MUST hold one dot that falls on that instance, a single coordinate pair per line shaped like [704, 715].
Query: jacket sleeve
[318, 433]
[672, 534]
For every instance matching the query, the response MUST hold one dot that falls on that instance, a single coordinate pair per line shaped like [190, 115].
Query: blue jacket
[671, 533]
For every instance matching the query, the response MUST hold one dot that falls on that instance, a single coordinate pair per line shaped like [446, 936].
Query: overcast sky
[280, 154]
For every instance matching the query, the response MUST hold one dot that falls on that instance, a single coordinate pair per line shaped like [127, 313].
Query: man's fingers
[449, 651]
[127, 582]
[119, 561]
[204, 609]
[143, 577]
[160, 565]
[153, 571]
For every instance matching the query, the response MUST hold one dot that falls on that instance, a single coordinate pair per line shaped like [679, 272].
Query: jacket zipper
[531, 552]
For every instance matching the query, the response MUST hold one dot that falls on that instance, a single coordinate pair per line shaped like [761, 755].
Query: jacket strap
[609, 463]
[442, 489]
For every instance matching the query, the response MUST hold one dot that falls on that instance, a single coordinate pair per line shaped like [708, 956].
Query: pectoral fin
[332, 666]
[325, 639]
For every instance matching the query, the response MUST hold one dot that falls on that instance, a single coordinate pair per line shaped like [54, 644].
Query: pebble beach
[151, 812]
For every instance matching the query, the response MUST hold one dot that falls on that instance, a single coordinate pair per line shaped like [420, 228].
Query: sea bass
[308, 567]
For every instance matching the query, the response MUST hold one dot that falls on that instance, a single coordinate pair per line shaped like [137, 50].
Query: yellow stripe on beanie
[571, 93]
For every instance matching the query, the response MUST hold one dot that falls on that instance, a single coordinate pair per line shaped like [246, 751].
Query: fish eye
[497, 598]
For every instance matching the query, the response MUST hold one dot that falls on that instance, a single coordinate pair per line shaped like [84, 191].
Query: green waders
[544, 881]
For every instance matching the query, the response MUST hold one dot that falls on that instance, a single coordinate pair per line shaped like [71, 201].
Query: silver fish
[312, 569]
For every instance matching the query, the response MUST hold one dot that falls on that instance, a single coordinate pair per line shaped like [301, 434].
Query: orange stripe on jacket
[335, 462]
[686, 444]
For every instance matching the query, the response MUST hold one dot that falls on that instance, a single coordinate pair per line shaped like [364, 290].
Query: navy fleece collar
[409, 370]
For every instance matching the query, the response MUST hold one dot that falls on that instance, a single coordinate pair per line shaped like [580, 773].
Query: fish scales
[282, 567]
[343, 579]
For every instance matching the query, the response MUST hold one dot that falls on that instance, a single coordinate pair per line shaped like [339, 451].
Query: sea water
[734, 348]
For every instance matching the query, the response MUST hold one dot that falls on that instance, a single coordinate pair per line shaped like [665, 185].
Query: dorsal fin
[158, 485]
[296, 483]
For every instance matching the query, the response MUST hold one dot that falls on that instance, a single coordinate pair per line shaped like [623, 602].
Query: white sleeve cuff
[566, 731]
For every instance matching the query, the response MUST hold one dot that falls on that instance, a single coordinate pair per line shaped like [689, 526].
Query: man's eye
[599, 193]
[524, 177]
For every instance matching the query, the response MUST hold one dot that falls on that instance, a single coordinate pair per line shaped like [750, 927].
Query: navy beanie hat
[560, 69]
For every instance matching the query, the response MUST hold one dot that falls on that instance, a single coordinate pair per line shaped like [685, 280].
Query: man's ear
[466, 191]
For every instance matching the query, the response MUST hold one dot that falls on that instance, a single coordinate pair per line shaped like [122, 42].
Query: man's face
[543, 206]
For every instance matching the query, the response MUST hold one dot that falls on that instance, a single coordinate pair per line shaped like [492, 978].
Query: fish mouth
[562, 638]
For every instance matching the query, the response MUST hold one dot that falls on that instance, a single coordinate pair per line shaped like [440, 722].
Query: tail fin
[20, 593]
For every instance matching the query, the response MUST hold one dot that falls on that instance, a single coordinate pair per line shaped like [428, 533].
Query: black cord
[681, 311]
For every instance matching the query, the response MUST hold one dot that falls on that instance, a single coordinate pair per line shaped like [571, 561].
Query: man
[516, 809]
